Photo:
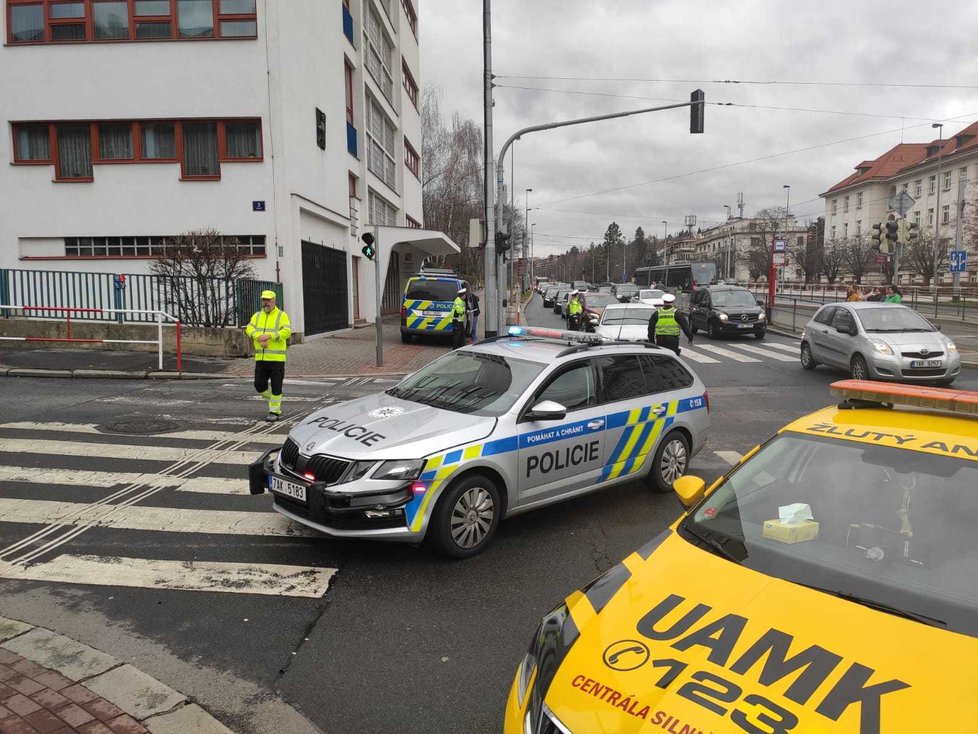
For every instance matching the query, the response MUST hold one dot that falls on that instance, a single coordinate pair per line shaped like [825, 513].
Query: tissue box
[790, 532]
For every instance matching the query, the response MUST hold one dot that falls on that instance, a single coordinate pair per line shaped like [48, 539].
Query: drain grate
[140, 426]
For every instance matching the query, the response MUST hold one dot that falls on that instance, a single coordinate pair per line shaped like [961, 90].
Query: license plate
[289, 489]
[745, 326]
[927, 363]
[434, 313]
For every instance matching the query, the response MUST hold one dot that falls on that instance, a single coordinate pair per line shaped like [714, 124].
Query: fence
[134, 298]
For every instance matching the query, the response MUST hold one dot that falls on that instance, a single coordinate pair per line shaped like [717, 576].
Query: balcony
[347, 23]
[351, 138]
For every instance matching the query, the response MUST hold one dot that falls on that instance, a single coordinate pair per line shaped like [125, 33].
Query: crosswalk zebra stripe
[754, 349]
[697, 357]
[237, 578]
[106, 479]
[125, 451]
[92, 430]
[793, 348]
[726, 353]
[156, 519]
[731, 457]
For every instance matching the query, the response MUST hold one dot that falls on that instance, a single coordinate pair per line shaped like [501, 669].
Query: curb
[109, 374]
[95, 685]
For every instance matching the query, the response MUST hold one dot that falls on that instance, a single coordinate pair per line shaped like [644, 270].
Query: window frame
[412, 16]
[348, 71]
[153, 241]
[412, 161]
[409, 84]
[599, 370]
[16, 160]
[373, 106]
[56, 152]
[550, 378]
[412, 222]
[88, 21]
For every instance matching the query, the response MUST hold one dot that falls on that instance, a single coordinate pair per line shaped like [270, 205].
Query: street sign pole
[958, 235]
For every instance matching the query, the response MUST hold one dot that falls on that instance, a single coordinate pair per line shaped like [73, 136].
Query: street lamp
[787, 208]
[526, 226]
[532, 269]
[937, 207]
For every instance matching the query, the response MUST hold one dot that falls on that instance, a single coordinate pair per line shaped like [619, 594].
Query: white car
[650, 297]
[625, 322]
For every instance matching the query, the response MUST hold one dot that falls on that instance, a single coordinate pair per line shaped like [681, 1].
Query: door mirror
[849, 329]
[937, 326]
[689, 489]
[547, 410]
[761, 302]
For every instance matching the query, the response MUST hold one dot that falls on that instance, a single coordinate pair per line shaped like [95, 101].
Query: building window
[144, 247]
[348, 76]
[56, 21]
[859, 229]
[159, 141]
[412, 17]
[916, 217]
[918, 187]
[945, 213]
[380, 143]
[32, 144]
[832, 237]
[115, 142]
[411, 222]
[905, 187]
[930, 216]
[845, 229]
[353, 186]
[74, 152]
[200, 150]
[411, 159]
[379, 53]
[932, 184]
[859, 201]
[410, 86]
[380, 211]
[845, 204]
[242, 140]
[947, 181]
[835, 206]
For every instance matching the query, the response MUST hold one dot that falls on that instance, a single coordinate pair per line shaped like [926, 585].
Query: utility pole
[937, 207]
[491, 312]
[958, 234]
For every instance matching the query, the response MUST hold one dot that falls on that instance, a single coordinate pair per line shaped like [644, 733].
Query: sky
[865, 75]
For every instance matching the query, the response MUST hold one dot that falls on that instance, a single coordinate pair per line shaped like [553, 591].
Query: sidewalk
[51, 684]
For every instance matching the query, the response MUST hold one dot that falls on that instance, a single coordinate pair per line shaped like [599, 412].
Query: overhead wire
[755, 82]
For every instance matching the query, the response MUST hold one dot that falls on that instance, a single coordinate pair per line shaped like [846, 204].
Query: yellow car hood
[694, 643]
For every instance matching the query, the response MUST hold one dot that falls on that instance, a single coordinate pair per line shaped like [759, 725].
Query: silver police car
[507, 425]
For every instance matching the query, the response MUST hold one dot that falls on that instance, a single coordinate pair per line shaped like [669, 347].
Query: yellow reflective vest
[574, 307]
[276, 323]
[458, 309]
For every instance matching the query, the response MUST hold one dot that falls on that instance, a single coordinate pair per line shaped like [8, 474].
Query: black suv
[624, 292]
[726, 309]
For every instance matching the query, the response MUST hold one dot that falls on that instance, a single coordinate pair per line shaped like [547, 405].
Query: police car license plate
[289, 489]
[433, 313]
[927, 363]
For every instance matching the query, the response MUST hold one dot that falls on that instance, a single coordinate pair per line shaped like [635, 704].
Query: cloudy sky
[867, 75]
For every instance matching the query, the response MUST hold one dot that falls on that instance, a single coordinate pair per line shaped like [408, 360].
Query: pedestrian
[875, 295]
[574, 311]
[851, 293]
[894, 296]
[867, 291]
[474, 310]
[458, 319]
[666, 323]
[269, 330]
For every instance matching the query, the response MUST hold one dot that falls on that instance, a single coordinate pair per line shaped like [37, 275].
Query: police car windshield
[470, 382]
[432, 290]
[890, 527]
[727, 299]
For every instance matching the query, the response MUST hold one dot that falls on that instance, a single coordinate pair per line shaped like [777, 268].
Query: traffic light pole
[378, 321]
[491, 314]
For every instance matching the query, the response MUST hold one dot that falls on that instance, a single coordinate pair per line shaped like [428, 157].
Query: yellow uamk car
[828, 583]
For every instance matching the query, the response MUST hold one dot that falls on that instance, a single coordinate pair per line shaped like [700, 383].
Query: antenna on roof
[740, 203]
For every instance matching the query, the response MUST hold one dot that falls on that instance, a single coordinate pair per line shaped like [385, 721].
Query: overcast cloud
[744, 149]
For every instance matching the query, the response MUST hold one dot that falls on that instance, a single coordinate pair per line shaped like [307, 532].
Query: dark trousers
[669, 342]
[266, 372]
[458, 334]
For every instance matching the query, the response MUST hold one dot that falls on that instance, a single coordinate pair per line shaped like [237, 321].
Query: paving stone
[7, 673]
[29, 668]
[135, 692]
[126, 725]
[102, 709]
[54, 681]
[11, 628]
[9, 658]
[18, 726]
[49, 699]
[74, 715]
[24, 685]
[94, 727]
[190, 718]
[44, 721]
[21, 705]
[56, 652]
[78, 693]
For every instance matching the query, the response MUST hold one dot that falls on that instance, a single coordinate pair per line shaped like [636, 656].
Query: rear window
[432, 290]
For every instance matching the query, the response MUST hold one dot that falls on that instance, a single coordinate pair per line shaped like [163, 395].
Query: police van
[426, 308]
[510, 424]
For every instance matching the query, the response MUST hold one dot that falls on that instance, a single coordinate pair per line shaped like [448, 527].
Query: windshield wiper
[880, 606]
[713, 544]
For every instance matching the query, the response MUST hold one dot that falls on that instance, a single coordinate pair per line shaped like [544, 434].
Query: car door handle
[659, 409]
[595, 425]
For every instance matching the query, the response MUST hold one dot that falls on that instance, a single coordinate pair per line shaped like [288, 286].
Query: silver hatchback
[879, 341]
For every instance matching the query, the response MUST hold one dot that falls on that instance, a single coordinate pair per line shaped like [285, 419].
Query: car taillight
[404, 312]
[706, 399]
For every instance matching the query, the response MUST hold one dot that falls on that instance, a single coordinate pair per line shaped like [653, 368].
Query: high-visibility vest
[458, 310]
[574, 307]
[276, 323]
[666, 325]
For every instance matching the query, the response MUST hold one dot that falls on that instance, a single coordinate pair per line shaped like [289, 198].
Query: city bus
[678, 275]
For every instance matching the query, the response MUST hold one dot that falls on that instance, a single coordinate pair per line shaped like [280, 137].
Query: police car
[507, 425]
[426, 308]
[828, 583]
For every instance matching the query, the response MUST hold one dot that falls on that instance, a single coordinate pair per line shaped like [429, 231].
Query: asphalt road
[403, 640]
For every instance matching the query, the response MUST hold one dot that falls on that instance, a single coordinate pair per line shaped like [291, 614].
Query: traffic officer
[269, 330]
[574, 311]
[458, 319]
[666, 323]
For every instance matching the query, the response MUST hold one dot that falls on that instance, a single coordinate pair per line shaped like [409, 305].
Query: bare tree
[809, 259]
[756, 258]
[198, 272]
[833, 258]
[858, 257]
[918, 255]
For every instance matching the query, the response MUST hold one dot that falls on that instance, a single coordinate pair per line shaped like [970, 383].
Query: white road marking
[235, 578]
[90, 429]
[157, 519]
[726, 353]
[754, 349]
[290, 399]
[155, 402]
[793, 348]
[124, 451]
[731, 457]
[106, 479]
[697, 357]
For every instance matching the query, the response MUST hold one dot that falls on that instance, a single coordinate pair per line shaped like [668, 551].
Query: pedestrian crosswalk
[730, 351]
[66, 488]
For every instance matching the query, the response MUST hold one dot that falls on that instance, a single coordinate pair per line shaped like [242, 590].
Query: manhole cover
[145, 426]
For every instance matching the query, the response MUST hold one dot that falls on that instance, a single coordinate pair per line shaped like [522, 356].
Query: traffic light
[892, 236]
[368, 247]
[912, 233]
[697, 111]
[502, 242]
[877, 237]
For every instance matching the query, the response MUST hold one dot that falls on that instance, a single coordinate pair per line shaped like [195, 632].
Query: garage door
[325, 290]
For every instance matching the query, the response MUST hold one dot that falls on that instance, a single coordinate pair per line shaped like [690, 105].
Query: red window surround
[197, 145]
[348, 76]
[411, 159]
[412, 17]
[106, 21]
[410, 86]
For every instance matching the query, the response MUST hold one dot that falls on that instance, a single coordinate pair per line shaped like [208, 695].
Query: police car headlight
[722, 316]
[407, 469]
[881, 346]
[358, 470]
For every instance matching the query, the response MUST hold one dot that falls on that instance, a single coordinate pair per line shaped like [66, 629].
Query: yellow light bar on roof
[936, 398]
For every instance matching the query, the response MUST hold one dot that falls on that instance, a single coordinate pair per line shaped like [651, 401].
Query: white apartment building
[290, 124]
[727, 244]
[862, 199]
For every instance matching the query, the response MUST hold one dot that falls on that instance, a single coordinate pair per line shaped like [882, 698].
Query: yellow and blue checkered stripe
[643, 427]
[417, 321]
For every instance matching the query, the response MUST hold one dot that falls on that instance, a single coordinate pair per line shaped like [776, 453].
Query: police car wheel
[466, 517]
[671, 461]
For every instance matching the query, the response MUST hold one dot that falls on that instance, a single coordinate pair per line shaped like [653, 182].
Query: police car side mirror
[547, 410]
[689, 489]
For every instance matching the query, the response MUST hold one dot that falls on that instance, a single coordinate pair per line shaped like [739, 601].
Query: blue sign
[258, 206]
[959, 261]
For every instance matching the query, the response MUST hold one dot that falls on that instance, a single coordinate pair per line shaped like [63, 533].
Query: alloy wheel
[674, 460]
[472, 517]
